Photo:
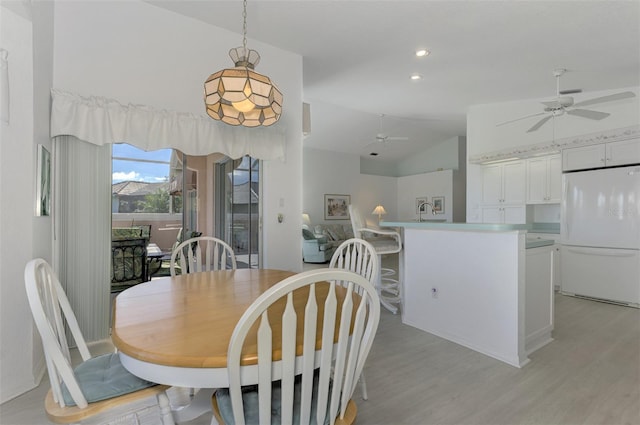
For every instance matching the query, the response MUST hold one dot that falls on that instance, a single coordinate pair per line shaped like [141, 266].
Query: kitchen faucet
[433, 211]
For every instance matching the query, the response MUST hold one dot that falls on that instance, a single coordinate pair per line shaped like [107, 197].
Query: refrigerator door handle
[564, 222]
[603, 251]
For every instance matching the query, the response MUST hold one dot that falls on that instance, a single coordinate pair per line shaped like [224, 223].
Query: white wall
[327, 172]
[483, 136]
[25, 32]
[135, 52]
[443, 156]
[437, 183]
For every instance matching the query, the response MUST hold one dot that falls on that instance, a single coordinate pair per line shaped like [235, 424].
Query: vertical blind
[83, 231]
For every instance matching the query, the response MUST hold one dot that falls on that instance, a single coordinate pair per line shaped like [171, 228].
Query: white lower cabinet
[557, 274]
[539, 292]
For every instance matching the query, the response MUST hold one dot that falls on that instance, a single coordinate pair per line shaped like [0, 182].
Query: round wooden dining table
[176, 330]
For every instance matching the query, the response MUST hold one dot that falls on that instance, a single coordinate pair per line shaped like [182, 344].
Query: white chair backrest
[345, 336]
[358, 256]
[50, 308]
[203, 253]
[357, 222]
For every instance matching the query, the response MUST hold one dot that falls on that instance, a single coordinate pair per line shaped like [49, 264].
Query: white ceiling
[358, 56]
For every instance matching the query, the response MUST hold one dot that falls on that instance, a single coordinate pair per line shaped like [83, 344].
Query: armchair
[315, 249]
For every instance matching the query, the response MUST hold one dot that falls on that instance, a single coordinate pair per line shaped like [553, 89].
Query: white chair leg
[363, 385]
[165, 409]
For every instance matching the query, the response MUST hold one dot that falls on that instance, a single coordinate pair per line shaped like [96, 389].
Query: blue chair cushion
[104, 377]
[250, 403]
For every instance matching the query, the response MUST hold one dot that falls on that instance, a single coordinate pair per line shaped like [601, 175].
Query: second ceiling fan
[382, 140]
[565, 105]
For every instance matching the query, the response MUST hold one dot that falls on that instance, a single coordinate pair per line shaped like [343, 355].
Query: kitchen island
[468, 283]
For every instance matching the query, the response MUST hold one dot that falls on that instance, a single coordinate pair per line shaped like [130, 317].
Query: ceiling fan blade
[609, 98]
[554, 104]
[539, 123]
[397, 138]
[521, 118]
[586, 113]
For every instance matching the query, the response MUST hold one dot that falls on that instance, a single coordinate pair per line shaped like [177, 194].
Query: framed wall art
[43, 179]
[438, 204]
[336, 207]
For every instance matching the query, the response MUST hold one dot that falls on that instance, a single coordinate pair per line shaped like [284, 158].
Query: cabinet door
[583, 157]
[621, 153]
[514, 182]
[554, 179]
[492, 184]
[537, 192]
[514, 214]
[492, 215]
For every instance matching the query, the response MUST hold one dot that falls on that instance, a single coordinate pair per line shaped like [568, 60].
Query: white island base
[469, 286]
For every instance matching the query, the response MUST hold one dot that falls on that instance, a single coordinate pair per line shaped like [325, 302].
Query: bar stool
[385, 242]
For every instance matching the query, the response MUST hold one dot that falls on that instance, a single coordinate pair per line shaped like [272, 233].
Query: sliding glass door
[237, 211]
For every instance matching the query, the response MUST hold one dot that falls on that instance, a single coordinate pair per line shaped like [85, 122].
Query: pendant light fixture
[241, 96]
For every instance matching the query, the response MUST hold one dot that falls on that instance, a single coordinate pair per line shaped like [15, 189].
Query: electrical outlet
[434, 292]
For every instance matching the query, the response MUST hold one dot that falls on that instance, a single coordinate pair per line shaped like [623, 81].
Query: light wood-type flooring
[590, 374]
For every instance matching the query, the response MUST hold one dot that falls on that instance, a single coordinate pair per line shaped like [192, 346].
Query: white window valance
[100, 121]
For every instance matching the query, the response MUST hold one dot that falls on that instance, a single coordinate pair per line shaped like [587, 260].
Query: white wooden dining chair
[358, 256]
[202, 253]
[198, 254]
[316, 384]
[385, 241]
[97, 391]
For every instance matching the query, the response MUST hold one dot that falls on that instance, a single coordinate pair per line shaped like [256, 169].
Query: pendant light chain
[244, 25]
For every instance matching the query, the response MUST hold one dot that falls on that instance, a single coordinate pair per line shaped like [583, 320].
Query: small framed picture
[336, 207]
[43, 179]
[438, 204]
[420, 205]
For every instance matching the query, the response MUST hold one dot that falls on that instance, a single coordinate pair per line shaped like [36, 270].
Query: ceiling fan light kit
[239, 95]
[563, 104]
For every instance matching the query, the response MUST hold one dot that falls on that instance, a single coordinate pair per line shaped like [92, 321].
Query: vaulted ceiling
[358, 57]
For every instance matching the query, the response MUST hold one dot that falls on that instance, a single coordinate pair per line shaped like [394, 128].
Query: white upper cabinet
[544, 180]
[622, 153]
[504, 183]
[508, 214]
[602, 155]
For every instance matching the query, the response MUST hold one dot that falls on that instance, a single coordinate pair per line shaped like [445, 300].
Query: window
[146, 193]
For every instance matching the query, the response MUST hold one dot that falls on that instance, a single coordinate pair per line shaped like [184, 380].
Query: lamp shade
[241, 96]
[379, 210]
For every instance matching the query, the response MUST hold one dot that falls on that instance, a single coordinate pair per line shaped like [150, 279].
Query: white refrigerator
[600, 234]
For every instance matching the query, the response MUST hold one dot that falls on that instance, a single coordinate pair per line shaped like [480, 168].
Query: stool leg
[383, 300]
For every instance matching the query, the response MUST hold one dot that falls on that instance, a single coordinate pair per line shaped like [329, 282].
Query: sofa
[315, 249]
[335, 233]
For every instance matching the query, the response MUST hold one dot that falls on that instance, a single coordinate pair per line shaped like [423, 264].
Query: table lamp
[306, 221]
[379, 210]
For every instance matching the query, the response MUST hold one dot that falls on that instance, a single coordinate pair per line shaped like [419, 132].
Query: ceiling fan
[564, 104]
[382, 140]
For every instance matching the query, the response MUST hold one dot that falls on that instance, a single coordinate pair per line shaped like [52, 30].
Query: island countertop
[456, 226]
[436, 225]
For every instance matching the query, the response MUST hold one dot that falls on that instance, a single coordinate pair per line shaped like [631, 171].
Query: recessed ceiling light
[374, 154]
[422, 52]
[416, 77]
